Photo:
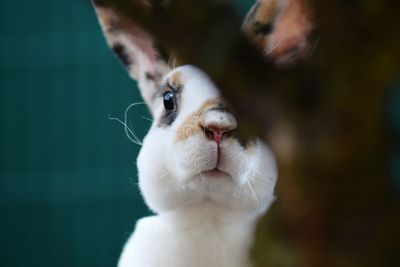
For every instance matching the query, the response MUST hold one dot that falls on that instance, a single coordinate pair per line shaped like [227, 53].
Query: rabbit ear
[282, 29]
[135, 48]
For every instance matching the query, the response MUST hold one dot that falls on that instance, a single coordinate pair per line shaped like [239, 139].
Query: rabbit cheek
[159, 172]
[231, 159]
[260, 179]
[194, 155]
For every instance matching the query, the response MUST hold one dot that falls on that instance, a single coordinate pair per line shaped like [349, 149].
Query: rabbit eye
[169, 100]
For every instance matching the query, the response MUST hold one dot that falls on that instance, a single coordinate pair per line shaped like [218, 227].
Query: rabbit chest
[197, 240]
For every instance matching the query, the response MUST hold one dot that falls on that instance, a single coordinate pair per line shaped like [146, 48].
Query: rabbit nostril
[216, 134]
[209, 133]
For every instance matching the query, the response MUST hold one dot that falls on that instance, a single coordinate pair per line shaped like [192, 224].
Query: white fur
[202, 220]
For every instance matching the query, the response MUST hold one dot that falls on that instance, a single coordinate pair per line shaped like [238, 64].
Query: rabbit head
[193, 152]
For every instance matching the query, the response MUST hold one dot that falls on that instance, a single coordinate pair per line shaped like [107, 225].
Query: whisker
[199, 172]
[133, 182]
[253, 193]
[130, 133]
[201, 122]
[171, 64]
[163, 175]
[148, 119]
[263, 174]
[126, 119]
[187, 127]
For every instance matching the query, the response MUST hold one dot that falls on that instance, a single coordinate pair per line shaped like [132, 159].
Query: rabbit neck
[215, 235]
[208, 213]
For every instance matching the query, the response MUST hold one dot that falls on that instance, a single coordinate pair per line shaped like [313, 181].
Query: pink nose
[216, 134]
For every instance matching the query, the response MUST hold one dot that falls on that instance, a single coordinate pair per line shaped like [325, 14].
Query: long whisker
[264, 175]
[130, 133]
[199, 172]
[148, 119]
[135, 137]
[197, 118]
[187, 128]
[253, 193]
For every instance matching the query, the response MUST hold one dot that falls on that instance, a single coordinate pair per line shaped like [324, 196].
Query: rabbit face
[191, 153]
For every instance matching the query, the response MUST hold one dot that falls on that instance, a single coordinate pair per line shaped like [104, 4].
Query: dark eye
[169, 100]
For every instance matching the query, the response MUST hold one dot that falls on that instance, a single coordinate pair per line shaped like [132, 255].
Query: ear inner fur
[135, 48]
[119, 50]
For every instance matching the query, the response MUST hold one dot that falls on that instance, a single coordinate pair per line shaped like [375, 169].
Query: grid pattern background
[68, 194]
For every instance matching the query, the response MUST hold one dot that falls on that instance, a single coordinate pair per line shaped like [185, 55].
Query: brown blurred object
[337, 205]
[293, 32]
[282, 30]
[325, 120]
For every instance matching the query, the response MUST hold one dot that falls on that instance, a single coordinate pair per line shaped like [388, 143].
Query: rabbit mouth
[214, 173]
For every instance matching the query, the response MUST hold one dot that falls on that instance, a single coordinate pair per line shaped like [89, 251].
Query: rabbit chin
[175, 176]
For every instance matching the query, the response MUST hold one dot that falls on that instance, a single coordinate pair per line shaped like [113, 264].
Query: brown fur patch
[193, 124]
[116, 26]
[176, 80]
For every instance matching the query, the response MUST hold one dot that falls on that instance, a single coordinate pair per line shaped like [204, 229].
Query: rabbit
[205, 183]
[205, 186]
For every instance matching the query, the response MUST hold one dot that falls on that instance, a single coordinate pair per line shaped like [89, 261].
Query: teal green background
[68, 179]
